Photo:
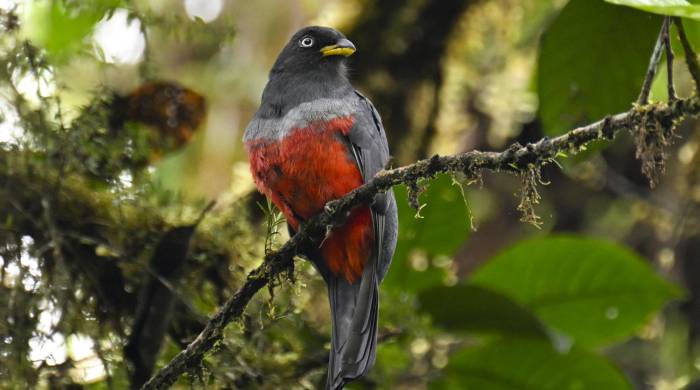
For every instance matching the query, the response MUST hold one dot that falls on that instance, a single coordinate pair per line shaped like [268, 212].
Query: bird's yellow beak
[342, 48]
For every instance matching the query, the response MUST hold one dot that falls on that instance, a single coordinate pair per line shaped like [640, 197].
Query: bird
[313, 139]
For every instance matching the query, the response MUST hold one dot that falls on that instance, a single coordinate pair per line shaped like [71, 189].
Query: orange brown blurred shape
[173, 111]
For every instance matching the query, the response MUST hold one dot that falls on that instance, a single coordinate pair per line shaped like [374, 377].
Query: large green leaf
[468, 308]
[441, 229]
[529, 365]
[594, 291]
[592, 62]
[680, 8]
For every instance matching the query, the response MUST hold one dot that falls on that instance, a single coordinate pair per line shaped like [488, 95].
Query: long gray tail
[354, 339]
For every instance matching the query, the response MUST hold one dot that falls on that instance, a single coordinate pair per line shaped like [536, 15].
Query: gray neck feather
[276, 128]
[293, 99]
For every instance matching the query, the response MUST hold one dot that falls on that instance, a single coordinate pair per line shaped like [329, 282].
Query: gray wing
[354, 306]
[371, 150]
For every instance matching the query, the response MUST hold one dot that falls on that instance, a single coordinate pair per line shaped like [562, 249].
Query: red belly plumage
[301, 173]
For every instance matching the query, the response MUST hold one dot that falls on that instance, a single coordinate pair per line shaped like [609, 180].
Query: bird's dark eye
[306, 42]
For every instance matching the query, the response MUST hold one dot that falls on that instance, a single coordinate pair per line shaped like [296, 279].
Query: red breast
[303, 171]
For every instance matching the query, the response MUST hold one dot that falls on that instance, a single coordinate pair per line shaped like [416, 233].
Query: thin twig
[515, 159]
[204, 212]
[55, 237]
[691, 58]
[653, 65]
[669, 59]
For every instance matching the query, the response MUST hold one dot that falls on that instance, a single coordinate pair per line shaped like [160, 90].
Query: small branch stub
[415, 189]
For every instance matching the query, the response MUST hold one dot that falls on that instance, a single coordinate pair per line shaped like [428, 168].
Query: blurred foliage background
[110, 259]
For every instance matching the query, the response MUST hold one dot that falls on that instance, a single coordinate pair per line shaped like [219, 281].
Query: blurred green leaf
[392, 359]
[60, 26]
[594, 291]
[442, 229]
[592, 61]
[680, 8]
[468, 308]
[529, 364]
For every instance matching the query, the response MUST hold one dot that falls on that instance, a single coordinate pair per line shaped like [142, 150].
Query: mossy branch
[517, 159]
[650, 124]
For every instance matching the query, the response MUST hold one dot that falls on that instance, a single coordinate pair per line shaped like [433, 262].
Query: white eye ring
[306, 42]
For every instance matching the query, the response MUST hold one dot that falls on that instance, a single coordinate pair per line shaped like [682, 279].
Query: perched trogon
[314, 139]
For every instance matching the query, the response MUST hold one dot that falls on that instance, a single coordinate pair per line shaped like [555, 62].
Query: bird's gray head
[314, 48]
[310, 67]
